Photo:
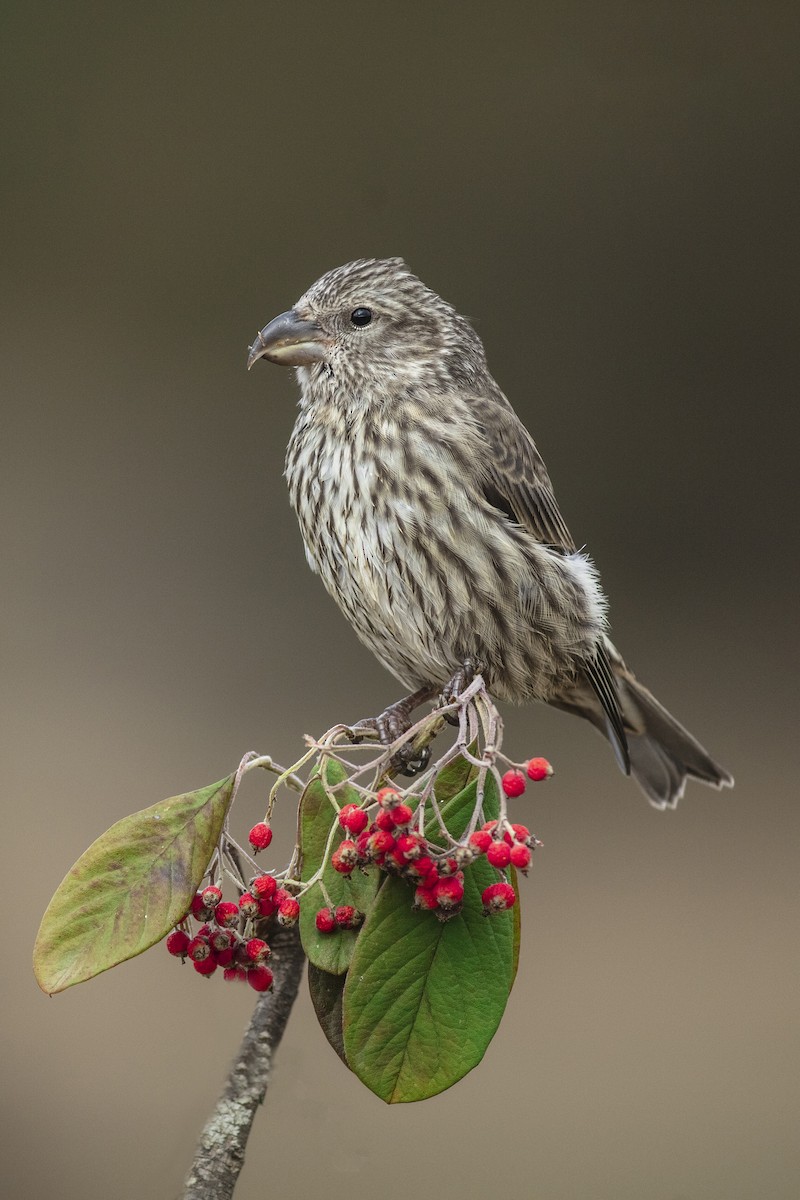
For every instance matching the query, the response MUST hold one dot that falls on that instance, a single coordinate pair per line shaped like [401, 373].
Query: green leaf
[454, 778]
[423, 998]
[326, 996]
[130, 887]
[330, 952]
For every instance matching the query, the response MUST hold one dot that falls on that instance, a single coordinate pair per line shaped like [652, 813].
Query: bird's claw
[410, 761]
[462, 678]
[390, 726]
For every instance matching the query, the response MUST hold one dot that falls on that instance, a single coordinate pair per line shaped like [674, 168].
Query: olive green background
[609, 191]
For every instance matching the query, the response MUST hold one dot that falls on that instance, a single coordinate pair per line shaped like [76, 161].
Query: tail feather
[663, 755]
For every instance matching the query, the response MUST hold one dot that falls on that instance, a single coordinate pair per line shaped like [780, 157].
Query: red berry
[248, 905]
[289, 911]
[198, 949]
[362, 845]
[384, 820]
[401, 814]
[521, 833]
[178, 943]
[397, 859]
[348, 917]
[425, 897]
[264, 887]
[260, 979]
[221, 939]
[480, 840]
[499, 854]
[387, 797]
[449, 892]
[345, 857]
[199, 910]
[420, 868]
[257, 950]
[226, 914]
[520, 857]
[260, 836]
[498, 897]
[410, 846]
[539, 768]
[325, 921]
[379, 844]
[224, 950]
[234, 973]
[211, 896]
[205, 966]
[353, 818]
[267, 908]
[513, 783]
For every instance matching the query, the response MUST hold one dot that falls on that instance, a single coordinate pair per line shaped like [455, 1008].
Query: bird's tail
[663, 755]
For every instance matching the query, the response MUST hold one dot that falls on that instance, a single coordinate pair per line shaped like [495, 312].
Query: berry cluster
[536, 769]
[390, 843]
[225, 937]
[511, 845]
[345, 916]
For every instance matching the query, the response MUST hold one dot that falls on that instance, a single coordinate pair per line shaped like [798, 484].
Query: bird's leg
[392, 723]
[462, 678]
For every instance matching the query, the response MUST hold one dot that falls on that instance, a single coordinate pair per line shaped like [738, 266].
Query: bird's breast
[426, 570]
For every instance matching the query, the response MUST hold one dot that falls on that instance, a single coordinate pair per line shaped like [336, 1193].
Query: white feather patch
[584, 572]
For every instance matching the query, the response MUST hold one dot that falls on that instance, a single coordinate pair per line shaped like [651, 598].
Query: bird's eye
[361, 317]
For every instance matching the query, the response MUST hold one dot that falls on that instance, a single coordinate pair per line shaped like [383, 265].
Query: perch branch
[220, 1151]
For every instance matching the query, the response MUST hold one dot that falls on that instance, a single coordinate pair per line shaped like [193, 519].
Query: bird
[427, 511]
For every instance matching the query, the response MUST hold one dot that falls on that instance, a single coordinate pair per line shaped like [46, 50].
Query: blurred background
[609, 191]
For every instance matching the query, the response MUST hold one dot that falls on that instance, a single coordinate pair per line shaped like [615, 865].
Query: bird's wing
[515, 477]
[516, 482]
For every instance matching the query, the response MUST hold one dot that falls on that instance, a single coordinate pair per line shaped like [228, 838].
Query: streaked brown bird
[429, 514]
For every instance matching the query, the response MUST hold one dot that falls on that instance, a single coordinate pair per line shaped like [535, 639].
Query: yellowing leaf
[130, 887]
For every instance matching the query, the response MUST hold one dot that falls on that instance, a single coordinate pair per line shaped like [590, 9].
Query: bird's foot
[462, 678]
[392, 723]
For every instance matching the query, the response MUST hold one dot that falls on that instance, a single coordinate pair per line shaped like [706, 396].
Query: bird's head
[374, 327]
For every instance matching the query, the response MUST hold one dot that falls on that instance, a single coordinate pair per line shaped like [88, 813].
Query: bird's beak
[290, 341]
